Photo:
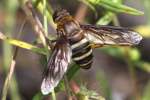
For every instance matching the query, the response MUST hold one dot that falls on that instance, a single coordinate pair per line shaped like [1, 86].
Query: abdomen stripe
[82, 53]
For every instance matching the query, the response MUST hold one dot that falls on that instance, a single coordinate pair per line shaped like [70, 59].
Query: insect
[76, 41]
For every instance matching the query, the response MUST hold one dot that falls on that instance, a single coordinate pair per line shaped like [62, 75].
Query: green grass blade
[22, 44]
[115, 7]
[48, 12]
[146, 95]
[106, 19]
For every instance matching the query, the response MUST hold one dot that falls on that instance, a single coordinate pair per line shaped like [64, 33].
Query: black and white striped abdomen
[81, 51]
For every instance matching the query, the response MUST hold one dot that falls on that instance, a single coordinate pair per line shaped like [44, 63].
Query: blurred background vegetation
[118, 73]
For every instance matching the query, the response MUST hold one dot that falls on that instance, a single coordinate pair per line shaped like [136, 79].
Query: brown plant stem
[34, 20]
[9, 75]
[12, 67]
[132, 72]
[81, 12]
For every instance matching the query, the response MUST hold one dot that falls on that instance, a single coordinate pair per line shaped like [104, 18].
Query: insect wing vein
[108, 35]
[57, 66]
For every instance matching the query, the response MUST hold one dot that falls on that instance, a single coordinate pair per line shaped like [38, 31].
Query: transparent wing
[110, 35]
[57, 66]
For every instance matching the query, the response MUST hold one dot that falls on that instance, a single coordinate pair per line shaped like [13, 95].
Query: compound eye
[59, 13]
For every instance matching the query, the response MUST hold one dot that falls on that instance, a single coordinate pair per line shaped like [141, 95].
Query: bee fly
[76, 41]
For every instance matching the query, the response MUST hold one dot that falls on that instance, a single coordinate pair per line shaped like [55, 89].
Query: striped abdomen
[81, 50]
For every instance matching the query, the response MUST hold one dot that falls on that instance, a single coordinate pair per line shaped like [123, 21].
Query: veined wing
[57, 65]
[110, 35]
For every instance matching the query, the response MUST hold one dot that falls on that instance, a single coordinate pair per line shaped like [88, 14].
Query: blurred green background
[118, 73]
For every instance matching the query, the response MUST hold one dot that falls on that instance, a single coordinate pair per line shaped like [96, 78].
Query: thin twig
[45, 18]
[12, 67]
[53, 95]
[8, 78]
[34, 20]
[67, 88]
[132, 72]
